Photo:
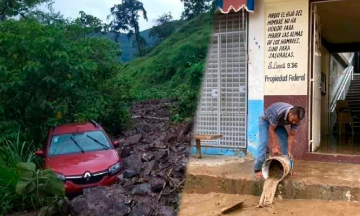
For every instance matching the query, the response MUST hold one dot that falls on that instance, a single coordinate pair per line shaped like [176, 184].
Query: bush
[26, 188]
[8, 180]
[53, 74]
[187, 104]
[12, 153]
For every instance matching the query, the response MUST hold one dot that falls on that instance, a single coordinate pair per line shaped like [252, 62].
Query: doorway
[335, 40]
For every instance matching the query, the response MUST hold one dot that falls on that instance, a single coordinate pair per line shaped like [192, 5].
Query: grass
[173, 62]
[11, 153]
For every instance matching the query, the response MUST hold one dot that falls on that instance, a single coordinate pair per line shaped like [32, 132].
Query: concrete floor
[311, 180]
[345, 144]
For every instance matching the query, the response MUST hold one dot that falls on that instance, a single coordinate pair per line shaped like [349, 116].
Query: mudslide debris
[155, 153]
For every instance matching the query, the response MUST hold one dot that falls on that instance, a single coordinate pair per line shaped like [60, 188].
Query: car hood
[78, 164]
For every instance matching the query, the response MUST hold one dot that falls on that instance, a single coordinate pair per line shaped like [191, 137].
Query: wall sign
[286, 48]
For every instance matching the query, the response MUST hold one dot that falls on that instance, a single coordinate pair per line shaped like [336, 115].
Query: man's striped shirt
[277, 114]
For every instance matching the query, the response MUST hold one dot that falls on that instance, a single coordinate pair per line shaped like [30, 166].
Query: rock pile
[155, 154]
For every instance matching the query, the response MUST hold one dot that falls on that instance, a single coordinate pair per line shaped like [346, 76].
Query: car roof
[75, 128]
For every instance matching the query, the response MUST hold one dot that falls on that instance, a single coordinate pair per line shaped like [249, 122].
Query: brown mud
[212, 203]
[275, 174]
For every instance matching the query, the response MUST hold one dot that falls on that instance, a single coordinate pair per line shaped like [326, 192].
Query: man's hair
[298, 111]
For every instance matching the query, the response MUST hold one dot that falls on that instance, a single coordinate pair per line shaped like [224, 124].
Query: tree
[52, 74]
[46, 17]
[194, 8]
[125, 17]
[91, 23]
[12, 8]
[164, 28]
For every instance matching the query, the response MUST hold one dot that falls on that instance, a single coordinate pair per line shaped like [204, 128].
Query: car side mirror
[40, 153]
[116, 143]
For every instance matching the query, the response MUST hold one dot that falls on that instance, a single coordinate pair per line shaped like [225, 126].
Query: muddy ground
[211, 205]
[155, 153]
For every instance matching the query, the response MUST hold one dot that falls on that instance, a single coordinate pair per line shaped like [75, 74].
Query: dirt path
[211, 205]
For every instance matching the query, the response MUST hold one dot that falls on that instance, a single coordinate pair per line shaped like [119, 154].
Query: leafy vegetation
[12, 153]
[55, 71]
[125, 17]
[174, 68]
[164, 27]
[22, 185]
[56, 75]
[11, 8]
[193, 8]
[26, 187]
[51, 73]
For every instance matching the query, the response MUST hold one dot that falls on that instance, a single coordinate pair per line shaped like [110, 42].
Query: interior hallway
[346, 144]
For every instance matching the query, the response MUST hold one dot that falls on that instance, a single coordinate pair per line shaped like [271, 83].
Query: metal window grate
[222, 108]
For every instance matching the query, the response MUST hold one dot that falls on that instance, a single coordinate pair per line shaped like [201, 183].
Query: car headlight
[60, 176]
[115, 168]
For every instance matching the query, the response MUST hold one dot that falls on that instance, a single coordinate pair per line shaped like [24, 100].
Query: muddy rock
[125, 152]
[166, 211]
[157, 184]
[142, 209]
[100, 201]
[133, 139]
[142, 190]
[149, 167]
[147, 156]
[133, 162]
[146, 128]
[129, 173]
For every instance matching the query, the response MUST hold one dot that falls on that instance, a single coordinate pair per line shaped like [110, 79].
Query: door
[316, 82]
[233, 89]
[223, 102]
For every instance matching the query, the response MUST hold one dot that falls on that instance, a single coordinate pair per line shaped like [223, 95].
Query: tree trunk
[137, 34]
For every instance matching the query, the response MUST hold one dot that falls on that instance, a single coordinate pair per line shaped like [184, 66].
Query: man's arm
[274, 146]
[291, 138]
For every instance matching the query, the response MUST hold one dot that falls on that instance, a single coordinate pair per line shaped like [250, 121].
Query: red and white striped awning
[227, 6]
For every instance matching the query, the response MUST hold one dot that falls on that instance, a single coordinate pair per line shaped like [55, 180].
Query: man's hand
[290, 156]
[275, 150]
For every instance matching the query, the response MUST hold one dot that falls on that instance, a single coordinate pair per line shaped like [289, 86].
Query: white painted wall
[256, 52]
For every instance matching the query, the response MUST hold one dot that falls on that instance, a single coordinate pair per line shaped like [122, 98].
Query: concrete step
[311, 180]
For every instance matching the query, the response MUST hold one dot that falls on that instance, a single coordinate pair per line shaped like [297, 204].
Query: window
[78, 142]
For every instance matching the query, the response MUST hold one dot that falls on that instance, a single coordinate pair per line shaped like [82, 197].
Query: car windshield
[78, 143]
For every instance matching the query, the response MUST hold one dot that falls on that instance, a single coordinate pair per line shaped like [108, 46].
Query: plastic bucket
[286, 165]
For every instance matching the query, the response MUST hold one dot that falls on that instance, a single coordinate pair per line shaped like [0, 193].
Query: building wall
[255, 74]
[283, 63]
[259, 96]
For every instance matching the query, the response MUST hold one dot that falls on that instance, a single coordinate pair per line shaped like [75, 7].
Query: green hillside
[128, 51]
[175, 66]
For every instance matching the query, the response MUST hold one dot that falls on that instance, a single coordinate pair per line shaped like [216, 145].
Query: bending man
[272, 122]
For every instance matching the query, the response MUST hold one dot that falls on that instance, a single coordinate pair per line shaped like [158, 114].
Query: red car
[82, 155]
